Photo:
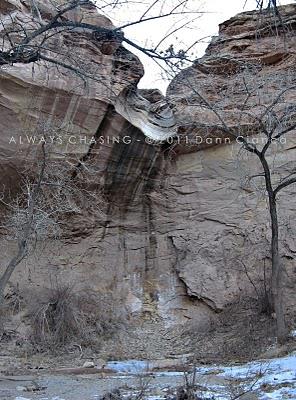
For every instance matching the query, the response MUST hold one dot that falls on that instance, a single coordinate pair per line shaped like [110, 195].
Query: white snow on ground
[43, 398]
[21, 398]
[280, 394]
[262, 376]
[272, 372]
[131, 366]
[169, 373]
[273, 379]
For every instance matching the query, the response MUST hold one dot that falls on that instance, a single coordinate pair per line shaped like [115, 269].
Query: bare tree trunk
[277, 268]
[23, 241]
[277, 274]
[21, 254]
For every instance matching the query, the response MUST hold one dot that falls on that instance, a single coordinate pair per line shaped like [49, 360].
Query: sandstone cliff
[176, 223]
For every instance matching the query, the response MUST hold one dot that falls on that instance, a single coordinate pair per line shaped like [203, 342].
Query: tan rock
[176, 225]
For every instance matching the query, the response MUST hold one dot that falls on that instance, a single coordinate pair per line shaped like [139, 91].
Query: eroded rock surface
[182, 234]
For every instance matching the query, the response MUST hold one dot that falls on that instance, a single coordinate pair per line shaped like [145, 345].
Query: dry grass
[3, 317]
[242, 331]
[12, 305]
[65, 317]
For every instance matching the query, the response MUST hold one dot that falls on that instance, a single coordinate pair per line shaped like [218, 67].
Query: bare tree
[275, 124]
[36, 214]
[42, 199]
[264, 118]
[35, 39]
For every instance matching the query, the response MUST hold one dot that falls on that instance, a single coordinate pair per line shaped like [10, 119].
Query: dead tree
[274, 126]
[45, 199]
[36, 39]
[34, 214]
[265, 110]
[23, 222]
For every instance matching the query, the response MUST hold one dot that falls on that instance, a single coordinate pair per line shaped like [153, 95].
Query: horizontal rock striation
[251, 61]
[78, 104]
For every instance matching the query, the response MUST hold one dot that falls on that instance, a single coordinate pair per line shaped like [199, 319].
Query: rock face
[244, 70]
[246, 66]
[32, 94]
[183, 233]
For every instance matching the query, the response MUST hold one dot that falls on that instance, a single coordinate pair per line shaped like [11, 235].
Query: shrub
[66, 317]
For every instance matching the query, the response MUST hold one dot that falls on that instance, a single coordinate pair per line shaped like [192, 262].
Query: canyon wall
[182, 232]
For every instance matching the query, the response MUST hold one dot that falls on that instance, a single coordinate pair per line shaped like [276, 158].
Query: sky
[202, 24]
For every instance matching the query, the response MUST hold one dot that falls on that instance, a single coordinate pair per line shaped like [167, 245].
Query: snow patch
[131, 366]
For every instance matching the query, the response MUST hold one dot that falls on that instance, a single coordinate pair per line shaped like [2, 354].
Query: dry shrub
[65, 317]
[113, 395]
[247, 330]
[56, 321]
[3, 318]
[14, 300]
[7, 331]
[240, 331]
[11, 306]
[188, 390]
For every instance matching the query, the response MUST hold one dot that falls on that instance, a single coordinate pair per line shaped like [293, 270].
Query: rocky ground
[82, 374]
[262, 379]
[238, 335]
